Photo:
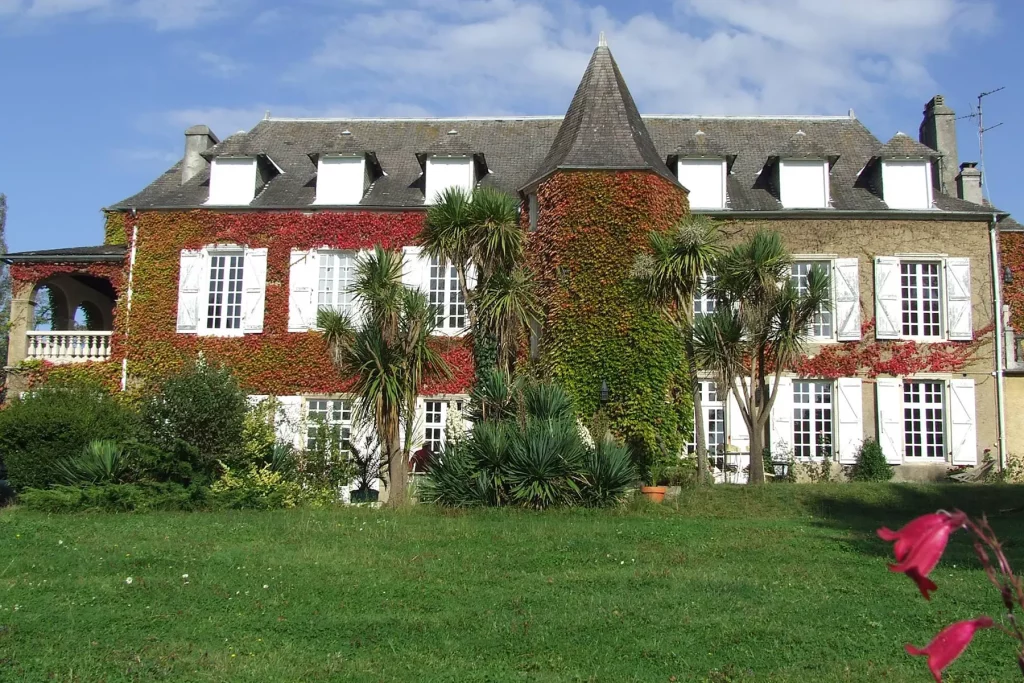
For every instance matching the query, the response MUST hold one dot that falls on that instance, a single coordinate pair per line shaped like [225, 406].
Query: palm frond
[445, 233]
[378, 288]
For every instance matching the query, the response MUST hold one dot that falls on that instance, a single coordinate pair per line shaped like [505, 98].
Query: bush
[536, 456]
[115, 498]
[871, 464]
[6, 493]
[101, 462]
[255, 488]
[203, 408]
[49, 424]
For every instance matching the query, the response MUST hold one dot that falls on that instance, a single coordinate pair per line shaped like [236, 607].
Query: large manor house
[232, 250]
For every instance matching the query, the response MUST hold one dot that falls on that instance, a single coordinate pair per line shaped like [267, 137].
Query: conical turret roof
[603, 129]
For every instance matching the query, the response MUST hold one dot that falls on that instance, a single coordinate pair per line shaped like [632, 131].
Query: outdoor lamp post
[604, 393]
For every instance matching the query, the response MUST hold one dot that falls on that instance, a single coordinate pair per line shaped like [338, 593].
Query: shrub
[49, 424]
[255, 488]
[544, 464]
[871, 464]
[101, 462]
[115, 498]
[204, 408]
[6, 493]
[608, 473]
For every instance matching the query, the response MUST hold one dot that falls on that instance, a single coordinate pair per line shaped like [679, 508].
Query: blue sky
[97, 93]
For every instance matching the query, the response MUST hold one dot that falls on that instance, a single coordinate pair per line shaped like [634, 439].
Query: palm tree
[480, 233]
[758, 330]
[672, 275]
[389, 356]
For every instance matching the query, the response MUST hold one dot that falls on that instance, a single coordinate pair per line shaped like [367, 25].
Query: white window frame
[449, 321]
[349, 308]
[807, 398]
[433, 189]
[892, 193]
[336, 188]
[698, 175]
[230, 183]
[714, 408]
[955, 297]
[337, 413]
[941, 300]
[828, 265]
[792, 195]
[922, 420]
[204, 327]
[704, 303]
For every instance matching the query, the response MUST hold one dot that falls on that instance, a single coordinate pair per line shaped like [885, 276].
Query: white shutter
[850, 407]
[846, 285]
[190, 278]
[963, 432]
[302, 280]
[889, 405]
[737, 434]
[888, 310]
[958, 299]
[782, 417]
[254, 289]
[416, 269]
[290, 420]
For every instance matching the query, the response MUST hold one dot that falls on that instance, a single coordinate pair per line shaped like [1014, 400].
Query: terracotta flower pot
[655, 494]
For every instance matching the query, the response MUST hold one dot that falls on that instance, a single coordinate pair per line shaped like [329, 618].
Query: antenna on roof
[602, 41]
[979, 114]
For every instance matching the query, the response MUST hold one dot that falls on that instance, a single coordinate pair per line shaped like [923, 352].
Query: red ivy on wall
[872, 358]
[277, 361]
[29, 273]
[1011, 255]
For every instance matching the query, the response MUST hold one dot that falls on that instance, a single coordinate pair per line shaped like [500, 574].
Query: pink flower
[949, 644]
[919, 545]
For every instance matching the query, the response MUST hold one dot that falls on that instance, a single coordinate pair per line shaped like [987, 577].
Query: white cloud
[708, 56]
[163, 14]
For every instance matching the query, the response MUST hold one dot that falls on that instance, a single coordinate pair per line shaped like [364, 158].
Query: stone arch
[50, 307]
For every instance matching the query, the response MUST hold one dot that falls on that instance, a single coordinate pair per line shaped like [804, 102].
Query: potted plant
[658, 476]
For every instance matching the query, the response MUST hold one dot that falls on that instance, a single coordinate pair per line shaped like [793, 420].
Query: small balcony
[68, 346]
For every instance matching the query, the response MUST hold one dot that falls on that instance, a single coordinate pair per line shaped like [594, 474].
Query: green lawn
[786, 583]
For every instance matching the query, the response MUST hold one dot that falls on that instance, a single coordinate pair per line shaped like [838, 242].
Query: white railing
[68, 347]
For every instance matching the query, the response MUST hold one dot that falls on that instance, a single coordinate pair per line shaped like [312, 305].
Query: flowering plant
[919, 545]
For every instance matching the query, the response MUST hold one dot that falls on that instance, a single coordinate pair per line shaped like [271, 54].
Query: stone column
[22, 320]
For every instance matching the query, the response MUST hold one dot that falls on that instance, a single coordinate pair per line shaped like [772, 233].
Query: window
[907, 184]
[341, 179]
[534, 211]
[704, 303]
[224, 298]
[923, 415]
[821, 324]
[433, 437]
[705, 179]
[334, 288]
[232, 181]
[921, 299]
[714, 420]
[804, 184]
[446, 296]
[335, 413]
[812, 420]
[447, 172]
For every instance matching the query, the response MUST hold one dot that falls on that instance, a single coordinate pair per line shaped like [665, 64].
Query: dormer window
[341, 179]
[444, 172]
[907, 184]
[232, 181]
[804, 183]
[705, 179]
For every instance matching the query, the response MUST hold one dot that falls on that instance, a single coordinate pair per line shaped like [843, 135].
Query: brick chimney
[938, 131]
[968, 183]
[198, 139]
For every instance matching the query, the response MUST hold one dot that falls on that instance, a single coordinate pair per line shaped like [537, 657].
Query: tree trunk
[757, 425]
[398, 475]
[756, 475]
[698, 412]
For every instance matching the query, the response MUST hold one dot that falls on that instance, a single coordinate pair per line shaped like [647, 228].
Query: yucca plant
[544, 464]
[494, 396]
[608, 473]
[490, 449]
[545, 401]
[101, 462]
[451, 481]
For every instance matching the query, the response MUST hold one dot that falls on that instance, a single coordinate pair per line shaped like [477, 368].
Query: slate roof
[107, 252]
[902, 146]
[602, 128]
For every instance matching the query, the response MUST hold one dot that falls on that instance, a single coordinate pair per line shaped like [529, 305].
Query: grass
[782, 583]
